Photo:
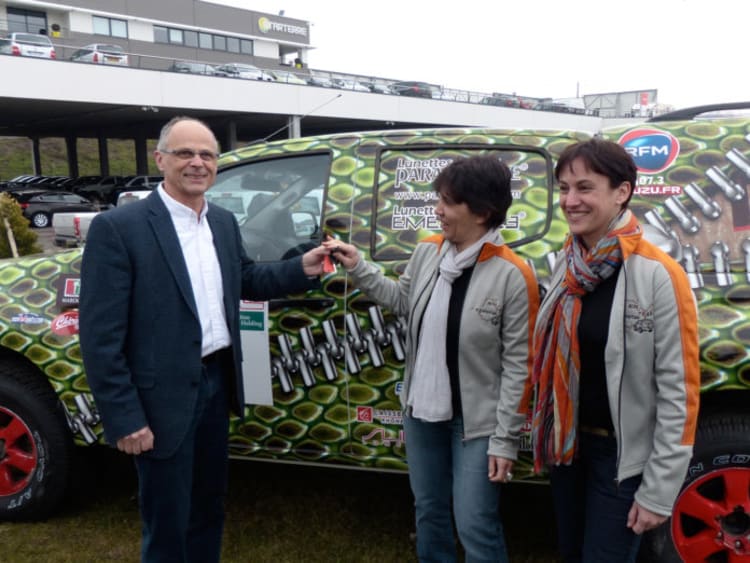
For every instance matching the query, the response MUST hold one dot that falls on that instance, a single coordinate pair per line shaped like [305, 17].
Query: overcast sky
[692, 51]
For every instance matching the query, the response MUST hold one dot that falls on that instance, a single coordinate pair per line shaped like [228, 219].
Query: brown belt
[603, 432]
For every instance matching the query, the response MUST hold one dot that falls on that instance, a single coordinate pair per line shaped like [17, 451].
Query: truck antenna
[280, 129]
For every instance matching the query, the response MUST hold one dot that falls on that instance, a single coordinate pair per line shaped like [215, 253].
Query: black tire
[35, 445]
[721, 455]
[40, 220]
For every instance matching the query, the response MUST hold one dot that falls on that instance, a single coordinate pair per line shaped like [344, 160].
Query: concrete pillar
[71, 149]
[294, 123]
[228, 137]
[36, 156]
[141, 155]
[103, 155]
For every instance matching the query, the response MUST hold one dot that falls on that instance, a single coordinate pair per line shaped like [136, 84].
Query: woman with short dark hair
[616, 371]
[470, 304]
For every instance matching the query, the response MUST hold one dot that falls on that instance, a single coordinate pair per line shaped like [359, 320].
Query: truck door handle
[315, 303]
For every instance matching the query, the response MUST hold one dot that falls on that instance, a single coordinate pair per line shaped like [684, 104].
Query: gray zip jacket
[495, 334]
[653, 374]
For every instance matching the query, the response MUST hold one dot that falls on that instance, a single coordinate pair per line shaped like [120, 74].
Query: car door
[293, 349]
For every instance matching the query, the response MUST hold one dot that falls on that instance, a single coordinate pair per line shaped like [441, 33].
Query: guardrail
[332, 79]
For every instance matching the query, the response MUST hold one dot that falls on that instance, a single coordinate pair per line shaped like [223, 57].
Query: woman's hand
[500, 469]
[642, 520]
[345, 253]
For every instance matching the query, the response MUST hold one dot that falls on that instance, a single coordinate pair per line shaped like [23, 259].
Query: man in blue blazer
[161, 282]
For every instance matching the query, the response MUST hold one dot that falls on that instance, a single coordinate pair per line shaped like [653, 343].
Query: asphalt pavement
[46, 239]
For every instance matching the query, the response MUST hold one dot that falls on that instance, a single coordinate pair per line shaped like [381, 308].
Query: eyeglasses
[189, 154]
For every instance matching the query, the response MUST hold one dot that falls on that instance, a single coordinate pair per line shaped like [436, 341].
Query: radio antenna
[280, 129]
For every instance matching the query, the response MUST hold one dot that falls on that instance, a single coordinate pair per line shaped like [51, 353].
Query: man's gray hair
[167, 129]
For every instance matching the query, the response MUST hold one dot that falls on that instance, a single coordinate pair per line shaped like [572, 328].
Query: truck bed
[71, 228]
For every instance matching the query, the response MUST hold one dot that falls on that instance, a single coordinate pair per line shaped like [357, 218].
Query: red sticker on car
[66, 324]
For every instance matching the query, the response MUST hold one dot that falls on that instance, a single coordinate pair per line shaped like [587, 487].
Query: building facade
[164, 31]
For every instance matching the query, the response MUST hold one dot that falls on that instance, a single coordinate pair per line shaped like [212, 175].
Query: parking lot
[46, 238]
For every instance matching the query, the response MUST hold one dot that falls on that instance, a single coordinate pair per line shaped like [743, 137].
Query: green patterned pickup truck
[323, 369]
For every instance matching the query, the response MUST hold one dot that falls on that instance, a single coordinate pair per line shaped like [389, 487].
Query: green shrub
[26, 239]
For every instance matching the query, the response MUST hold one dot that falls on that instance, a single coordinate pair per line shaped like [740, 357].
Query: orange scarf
[556, 369]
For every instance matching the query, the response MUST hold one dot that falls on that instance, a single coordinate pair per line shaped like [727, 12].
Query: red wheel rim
[18, 455]
[712, 517]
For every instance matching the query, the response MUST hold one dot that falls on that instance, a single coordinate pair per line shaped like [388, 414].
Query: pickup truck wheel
[711, 517]
[35, 445]
[40, 220]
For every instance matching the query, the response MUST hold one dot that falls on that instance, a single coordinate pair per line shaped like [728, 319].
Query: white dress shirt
[197, 242]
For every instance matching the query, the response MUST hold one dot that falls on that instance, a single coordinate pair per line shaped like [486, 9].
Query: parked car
[502, 100]
[414, 89]
[349, 84]
[236, 201]
[82, 181]
[287, 77]
[28, 45]
[194, 68]
[48, 182]
[243, 70]
[320, 80]
[39, 206]
[129, 196]
[70, 228]
[140, 182]
[561, 107]
[23, 194]
[22, 181]
[377, 87]
[101, 53]
[324, 377]
[62, 183]
[102, 191]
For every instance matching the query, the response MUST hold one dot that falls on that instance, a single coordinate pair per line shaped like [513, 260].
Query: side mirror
[305, 224]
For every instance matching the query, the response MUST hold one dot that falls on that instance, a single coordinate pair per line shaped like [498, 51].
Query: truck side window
[278, 203]
[404, 209]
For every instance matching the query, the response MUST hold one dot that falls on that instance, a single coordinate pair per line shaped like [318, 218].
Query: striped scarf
[556, 370]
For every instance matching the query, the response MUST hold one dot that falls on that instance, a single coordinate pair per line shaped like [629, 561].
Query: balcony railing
[326, 78]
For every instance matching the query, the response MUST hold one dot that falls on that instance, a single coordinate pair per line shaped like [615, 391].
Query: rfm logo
[651, 149]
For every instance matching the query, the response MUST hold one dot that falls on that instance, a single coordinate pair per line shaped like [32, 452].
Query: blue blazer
[139, 330]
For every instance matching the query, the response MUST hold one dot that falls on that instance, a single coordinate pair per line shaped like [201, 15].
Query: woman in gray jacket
[617, 374]
[470, 304]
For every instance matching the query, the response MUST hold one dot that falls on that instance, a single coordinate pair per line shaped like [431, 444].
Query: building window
[26, 21]
[233, 45]
[161, 34]
[204, 39]
[191, 38]
[220, 43]
[175, 36]
[119, 28]
[110, 26]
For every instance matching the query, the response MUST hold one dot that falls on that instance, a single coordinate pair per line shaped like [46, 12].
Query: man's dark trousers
[173, 530]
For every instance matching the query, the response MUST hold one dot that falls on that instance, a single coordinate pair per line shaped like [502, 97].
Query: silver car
[243, 70]
[27, 45]
[101, 53]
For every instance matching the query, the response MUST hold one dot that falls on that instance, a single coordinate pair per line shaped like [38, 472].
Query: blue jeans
[590, 508]
[443, 465]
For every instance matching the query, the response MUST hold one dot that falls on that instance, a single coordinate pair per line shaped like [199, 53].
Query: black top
[455, 308]
[593, 330]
